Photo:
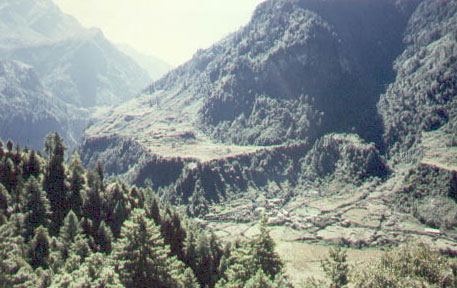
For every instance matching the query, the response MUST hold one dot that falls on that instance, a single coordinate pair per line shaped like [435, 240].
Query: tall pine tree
[54, 180]
[36, 207]
[77, 182]
[39, 249]
[141, 255]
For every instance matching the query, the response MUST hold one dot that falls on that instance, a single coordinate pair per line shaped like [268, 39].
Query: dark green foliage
[427, 193]
[263, 248]
[100, 173]
[153, 210]
[422, 98]
[54, 180]
[249, 257]
[259, 280]
[189, 280]
[14, 270]
[32, 166]
[77, 182]
[141, 255]
[36, 207]
[414, 265]
[39, 249]
[116, 207]
[92, 206]
[4, 198]
[96, 271]
[154, 245]
[70, 229]
[173, 232]
[104, 238]
[9, 176]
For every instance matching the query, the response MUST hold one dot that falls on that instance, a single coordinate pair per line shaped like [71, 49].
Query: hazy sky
[169, 29]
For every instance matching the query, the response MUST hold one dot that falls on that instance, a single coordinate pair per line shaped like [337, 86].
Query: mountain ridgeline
[28, 111]
[291, 101]
[78, 71]
[78, 65]
[333, 121]
[298, 70]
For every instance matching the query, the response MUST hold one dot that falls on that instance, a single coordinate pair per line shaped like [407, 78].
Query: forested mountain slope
[298, 70]
[421, 104]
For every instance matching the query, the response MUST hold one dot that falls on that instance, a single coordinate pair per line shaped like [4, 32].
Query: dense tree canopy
[64, 226]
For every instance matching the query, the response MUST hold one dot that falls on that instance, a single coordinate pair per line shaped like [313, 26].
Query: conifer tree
[104, 238]
[39, 249]
[5, 199]
[137, 198]
[77, 182]
[259, 280]
[336, 268]
[54, 180]
[189, 280]
[216, 256]
[80, 247]
[116, 208]
[17, 156]
[203, 271]
[263, 251]
[173, 233]
[240, 268]
[190, 249]
[141, 255]
[8, 177]
[32, 166]
[101, 174]
[92, 205]
[245, 261]
[153, 210]
[70, 228]
[97, 271]
[118, 216]
[36, 208]
[14, 270]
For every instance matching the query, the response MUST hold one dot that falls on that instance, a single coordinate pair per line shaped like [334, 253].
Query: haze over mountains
[153, 65]
[77, 66]
[337, 119]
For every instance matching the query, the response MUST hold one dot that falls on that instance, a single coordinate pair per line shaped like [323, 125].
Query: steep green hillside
[422, 99]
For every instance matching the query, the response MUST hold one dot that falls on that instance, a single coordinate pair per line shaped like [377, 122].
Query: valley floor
[359, 218]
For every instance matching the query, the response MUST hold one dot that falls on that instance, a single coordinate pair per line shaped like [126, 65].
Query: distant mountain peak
[78, 65]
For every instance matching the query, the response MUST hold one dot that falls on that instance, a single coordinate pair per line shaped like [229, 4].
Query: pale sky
[169, 29]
